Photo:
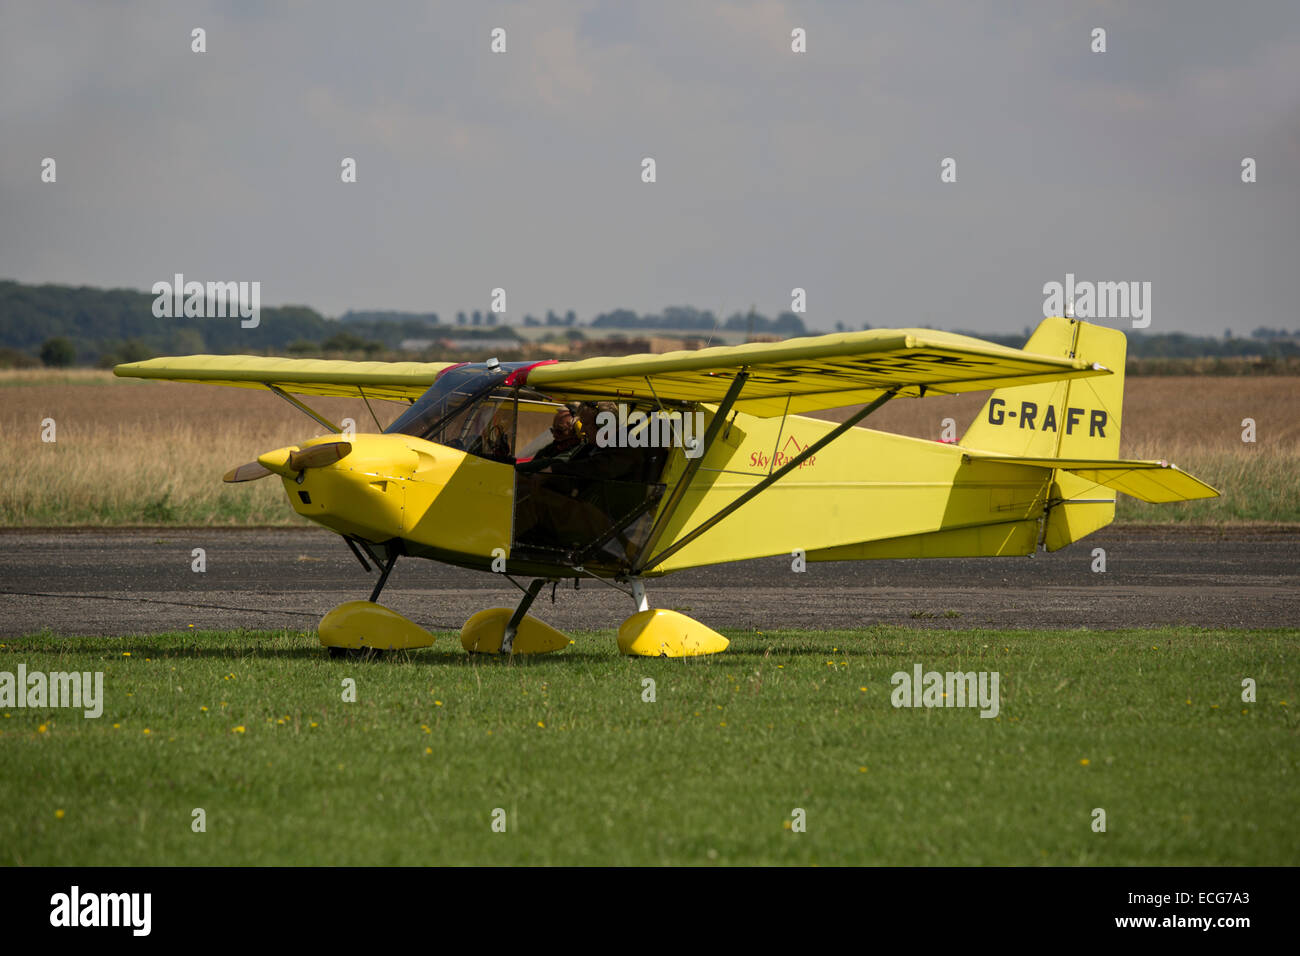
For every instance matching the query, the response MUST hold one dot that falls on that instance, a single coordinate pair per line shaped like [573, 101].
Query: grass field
[1147, 725]
[152, 453]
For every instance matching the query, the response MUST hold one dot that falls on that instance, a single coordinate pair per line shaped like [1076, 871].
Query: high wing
[799, 375]
[824, 371]
[395, 381]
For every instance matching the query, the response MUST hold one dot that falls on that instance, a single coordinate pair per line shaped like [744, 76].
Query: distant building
[415, 345]
[485, 346]
[656, 344]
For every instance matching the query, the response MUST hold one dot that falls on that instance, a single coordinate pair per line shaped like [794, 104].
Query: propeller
[247, 472]
[319, 455]
[296, 460]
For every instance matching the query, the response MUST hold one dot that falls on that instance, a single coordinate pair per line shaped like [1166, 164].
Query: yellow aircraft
[590, 469]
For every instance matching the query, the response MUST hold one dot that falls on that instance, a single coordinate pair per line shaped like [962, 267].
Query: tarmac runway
[97, 582]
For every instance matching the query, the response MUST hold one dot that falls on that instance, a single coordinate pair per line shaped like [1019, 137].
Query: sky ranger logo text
[216, 300]
[788, 453]
[953, 689]
[56, 689]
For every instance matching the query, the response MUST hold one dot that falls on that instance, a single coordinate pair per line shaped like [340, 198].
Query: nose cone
[290, 460]
[277, 461]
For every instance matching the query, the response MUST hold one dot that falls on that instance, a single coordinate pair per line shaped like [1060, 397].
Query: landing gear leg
[638, 595]
[512, 625]
[383, 575]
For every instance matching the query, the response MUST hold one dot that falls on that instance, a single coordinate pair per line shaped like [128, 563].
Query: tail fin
[1073, 419]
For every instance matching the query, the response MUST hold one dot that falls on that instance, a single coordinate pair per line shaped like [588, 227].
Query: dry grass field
[146, 453]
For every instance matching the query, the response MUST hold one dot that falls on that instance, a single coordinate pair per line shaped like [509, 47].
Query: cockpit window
[471, 409]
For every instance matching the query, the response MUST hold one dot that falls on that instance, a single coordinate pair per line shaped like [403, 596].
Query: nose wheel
[364, 630]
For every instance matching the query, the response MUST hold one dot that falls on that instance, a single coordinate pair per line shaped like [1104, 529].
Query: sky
[775, 170]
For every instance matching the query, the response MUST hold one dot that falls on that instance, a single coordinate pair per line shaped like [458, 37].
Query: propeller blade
[247, 472]
[319, 455]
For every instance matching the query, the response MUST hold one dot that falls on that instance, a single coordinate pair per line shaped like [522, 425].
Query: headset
[575, 411]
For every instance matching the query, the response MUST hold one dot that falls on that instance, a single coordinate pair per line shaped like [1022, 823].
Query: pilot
[544, 493]
[569, 436]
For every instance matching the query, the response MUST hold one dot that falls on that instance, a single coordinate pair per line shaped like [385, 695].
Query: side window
[533, 427]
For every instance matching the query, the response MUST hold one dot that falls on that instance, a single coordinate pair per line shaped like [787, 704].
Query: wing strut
[303, 407]
[769, 480]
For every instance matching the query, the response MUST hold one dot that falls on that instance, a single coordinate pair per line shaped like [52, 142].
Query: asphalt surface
[141, 582]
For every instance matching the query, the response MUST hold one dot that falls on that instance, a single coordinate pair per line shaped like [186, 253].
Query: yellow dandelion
[126, 653]
[437, 703]
[428, 750]
[863, 689]
[314, 724]
[1084, 762]
[541, 723]
[240, 729]
[147, 730]
[58, 814]
[204, 709]
[862, 770]
[117, 726]
[42, 728]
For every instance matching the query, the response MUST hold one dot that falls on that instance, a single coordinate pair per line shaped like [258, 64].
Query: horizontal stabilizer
[1154, 481]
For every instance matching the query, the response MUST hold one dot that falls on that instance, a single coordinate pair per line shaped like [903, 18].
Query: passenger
[575, 488]
[609, 462]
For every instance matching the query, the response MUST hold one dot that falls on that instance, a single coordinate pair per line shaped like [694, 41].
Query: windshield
[469, 408]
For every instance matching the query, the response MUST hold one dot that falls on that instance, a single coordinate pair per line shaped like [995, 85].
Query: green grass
[1148, 725]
